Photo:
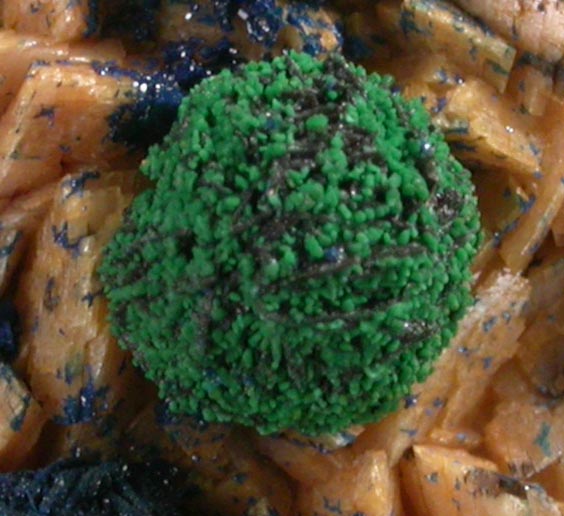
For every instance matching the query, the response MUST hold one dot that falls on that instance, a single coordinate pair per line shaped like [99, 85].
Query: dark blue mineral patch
[159, 88]
[160, 85]
[76, 488]
[8, 331]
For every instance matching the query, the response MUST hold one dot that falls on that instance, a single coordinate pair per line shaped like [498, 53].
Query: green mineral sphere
[304, 254]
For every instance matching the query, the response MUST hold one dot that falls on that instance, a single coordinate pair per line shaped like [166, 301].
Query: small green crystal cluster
[304, 255]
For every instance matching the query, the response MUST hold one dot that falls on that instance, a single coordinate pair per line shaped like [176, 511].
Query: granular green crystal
[304, 255]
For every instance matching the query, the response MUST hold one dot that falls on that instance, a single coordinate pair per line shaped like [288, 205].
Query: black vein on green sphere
[304, 256]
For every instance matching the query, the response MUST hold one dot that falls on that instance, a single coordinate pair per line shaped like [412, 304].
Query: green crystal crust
[304, 255]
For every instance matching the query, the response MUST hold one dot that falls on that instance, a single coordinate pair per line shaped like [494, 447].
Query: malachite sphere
[304, 255]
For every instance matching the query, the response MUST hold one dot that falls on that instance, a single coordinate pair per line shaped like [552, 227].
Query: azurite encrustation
[304, 255]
